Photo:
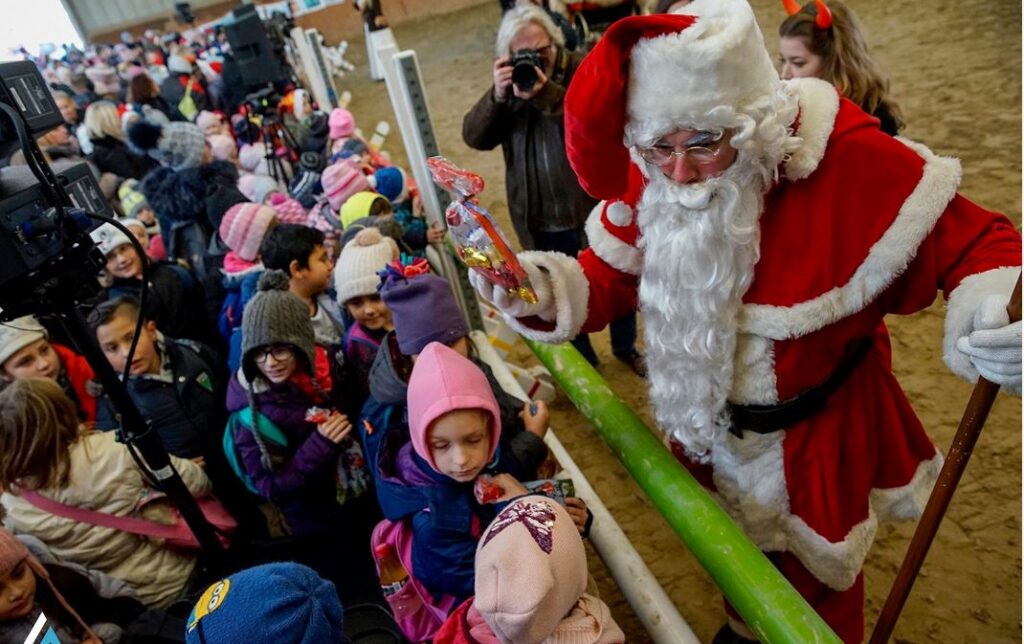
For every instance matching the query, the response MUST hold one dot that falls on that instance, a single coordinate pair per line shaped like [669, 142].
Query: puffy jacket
[542, 189]
[76, 380]
[104, 477]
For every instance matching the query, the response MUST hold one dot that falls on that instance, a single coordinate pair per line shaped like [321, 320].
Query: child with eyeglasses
[291, 446]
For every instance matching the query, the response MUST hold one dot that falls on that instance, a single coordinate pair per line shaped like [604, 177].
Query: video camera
[265, 101]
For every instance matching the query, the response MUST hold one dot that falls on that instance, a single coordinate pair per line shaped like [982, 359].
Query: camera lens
[524, 76]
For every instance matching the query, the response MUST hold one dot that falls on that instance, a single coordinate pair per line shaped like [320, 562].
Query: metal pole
[653, 607]
[767, 602]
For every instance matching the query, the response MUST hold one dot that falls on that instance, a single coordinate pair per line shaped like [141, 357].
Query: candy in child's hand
[317, 415]
[486, 490]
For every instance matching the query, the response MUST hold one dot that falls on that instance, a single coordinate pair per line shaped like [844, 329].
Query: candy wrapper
[317, 415]
[557, 490]
[478, 241]
[486, 490]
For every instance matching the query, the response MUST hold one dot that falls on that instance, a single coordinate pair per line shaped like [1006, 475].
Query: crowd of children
[282, 334]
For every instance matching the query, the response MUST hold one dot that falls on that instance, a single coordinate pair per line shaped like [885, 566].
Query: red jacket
[79, 373]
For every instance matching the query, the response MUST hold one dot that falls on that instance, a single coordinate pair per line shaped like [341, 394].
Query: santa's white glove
[512, 305]
[994, 346]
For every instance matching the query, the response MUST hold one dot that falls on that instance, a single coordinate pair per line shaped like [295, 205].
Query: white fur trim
[754, 381]
[886, 260]
[612, 250]
[619, 214]
[835, 564]
[819, 105]
[963, 302]
[570, 293]
[908, 501]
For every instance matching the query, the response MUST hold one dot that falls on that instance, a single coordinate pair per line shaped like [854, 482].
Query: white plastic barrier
[643, 592]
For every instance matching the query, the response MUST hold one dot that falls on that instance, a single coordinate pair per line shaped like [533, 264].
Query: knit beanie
[289, 211]
[341, 123]
[256, 187]
[109, 238]
[252, 158]
[177, 145]
[132, 199]
[244, 226]
[17, 334]
[386, 224]
[207, 119]
[391, 184]
[423, 308]
[356, 272]
[284, 603]
[222, 146]
[340, 181]
[276, 316]
[305, 187]
[531, 569]
[357, 206]
[104, 79]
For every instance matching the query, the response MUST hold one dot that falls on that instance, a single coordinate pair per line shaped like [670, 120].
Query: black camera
[264, 102]
[524, 68]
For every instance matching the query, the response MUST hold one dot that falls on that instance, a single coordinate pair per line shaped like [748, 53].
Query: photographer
[522, 112]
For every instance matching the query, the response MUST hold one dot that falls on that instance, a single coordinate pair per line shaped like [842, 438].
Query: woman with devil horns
[826, 42]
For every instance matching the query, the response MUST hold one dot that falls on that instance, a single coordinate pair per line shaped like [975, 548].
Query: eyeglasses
[280, 352]
[703, 147]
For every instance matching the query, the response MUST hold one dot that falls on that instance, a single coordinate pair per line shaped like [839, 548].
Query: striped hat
[244, 226]
[132, 199]
[289, 211]
[342, 180]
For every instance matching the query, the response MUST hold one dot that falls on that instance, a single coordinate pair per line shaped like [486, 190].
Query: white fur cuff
[569, 294]
[612, 250]
[963, 302]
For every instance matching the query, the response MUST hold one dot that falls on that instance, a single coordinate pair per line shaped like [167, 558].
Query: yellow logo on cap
[210, 601]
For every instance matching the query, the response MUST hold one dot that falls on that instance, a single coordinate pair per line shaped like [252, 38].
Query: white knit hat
[108, 238]
[18, 334]
[356, 271]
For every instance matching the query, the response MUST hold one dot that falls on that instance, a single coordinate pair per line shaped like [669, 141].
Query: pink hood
[443, 381]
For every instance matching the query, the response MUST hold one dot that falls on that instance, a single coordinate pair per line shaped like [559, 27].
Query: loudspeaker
[252, 50]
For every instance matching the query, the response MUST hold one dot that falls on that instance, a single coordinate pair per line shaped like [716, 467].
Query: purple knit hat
[423, 308]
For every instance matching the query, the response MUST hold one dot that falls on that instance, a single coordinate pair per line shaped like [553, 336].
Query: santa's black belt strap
[764, 419]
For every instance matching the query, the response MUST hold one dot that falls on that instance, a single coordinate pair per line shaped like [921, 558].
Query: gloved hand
[514, 306]
[994, 346]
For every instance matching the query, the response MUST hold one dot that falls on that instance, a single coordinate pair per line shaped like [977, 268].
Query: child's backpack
[418, 614]
[264, 429]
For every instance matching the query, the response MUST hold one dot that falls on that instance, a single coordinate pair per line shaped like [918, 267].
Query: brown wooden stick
[967, 433]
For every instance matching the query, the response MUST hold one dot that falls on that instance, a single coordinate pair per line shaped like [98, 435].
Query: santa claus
[765, 228]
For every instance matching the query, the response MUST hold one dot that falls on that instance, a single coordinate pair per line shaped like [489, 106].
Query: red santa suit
[858, 225]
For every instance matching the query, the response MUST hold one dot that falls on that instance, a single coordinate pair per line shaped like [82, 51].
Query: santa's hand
[994, 346]
[511, 304]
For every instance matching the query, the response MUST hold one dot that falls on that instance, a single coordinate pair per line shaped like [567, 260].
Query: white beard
[700, 243]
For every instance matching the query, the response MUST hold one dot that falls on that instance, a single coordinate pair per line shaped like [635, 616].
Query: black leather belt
[764, 419]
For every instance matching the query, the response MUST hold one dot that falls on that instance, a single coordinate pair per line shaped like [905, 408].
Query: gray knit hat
[177, 145]
[276, 316]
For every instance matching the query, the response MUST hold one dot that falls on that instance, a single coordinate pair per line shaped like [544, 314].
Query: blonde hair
[38, 424]
[102, 119]
[846, 59]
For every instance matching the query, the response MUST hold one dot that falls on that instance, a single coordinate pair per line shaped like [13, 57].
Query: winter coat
[360, 348]
[113, 156]
[386, 406]
[303, 484]
[239, 287]
[172, 90]
[543, 192]
[188, 412]
[175, 300]
[76, 379]
[104, 477]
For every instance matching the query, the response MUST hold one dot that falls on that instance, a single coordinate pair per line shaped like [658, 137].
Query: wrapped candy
[317, 415]
[487, 490]
[478, 241]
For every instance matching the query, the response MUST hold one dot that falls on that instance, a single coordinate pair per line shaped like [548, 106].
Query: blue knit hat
[423, 308]
[284, 603]
[391, 184]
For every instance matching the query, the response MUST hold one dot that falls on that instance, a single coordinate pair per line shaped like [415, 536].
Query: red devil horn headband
[823, 19]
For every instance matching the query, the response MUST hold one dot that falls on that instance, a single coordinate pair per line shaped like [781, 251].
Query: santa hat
[650, 75]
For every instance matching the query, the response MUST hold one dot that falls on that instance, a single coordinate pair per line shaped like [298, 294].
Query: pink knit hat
[531, 577]
[342, 180]
[341, 123]
[222, 146]
[443, 381]
[244, 226]
[252, 158]
[288, 210]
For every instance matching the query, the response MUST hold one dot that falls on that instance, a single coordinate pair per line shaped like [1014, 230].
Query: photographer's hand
[542, 80]
[502, 78]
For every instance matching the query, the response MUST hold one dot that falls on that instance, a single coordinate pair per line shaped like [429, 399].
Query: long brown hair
[38, 424]
[846, 60]
[142, 88]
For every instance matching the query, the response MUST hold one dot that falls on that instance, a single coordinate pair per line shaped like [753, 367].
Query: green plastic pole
[769, 605]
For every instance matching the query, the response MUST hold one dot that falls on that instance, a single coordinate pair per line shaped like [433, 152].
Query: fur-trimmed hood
[180, 195]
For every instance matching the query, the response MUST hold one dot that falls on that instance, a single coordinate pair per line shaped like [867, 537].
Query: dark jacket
[172, 90]
[113, 156]
[543, 192]
[386, 407]
[302, 484]
[188, 413]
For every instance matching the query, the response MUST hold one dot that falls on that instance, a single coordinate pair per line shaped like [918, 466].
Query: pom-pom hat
[276, 316]
[361, 259]
[649, 75]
